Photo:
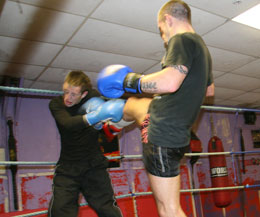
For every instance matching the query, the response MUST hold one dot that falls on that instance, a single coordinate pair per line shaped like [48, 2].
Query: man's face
[72, 95]
[164, 31]
[161, 27]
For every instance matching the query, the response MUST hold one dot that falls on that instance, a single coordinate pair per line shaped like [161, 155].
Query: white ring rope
[126, 157]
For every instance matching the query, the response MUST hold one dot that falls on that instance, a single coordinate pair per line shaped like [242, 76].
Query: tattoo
[181, 69]
[149, 85]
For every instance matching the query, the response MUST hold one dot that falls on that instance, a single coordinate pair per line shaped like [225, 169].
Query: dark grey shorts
[162, 161]
[158, 160]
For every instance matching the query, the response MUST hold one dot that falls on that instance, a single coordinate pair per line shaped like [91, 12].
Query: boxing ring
[123, 157]
[136, 194]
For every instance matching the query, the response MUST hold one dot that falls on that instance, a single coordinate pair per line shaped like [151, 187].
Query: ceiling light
[250, 17]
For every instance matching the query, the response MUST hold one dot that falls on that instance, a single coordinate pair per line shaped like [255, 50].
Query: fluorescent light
[250, 17]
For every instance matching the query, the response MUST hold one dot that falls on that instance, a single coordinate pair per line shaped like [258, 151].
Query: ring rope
[41, 91]
[222, 153]
[126, 157]
[29, 90]
[150, 193]
[223, 108]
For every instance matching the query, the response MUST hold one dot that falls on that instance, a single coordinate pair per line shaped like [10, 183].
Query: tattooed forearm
[181, 69]
[149, 86]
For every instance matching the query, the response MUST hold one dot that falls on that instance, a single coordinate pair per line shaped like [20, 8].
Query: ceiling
[42, 40]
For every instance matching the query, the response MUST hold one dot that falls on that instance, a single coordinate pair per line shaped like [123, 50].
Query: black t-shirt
[79, 142]
[172, 115]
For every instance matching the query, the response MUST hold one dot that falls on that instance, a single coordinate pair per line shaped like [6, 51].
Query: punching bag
[219, 173]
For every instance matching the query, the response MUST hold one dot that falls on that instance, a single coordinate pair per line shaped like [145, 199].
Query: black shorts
[158, 160]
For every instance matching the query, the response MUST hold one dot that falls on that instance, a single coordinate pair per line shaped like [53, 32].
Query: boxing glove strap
[132, 83]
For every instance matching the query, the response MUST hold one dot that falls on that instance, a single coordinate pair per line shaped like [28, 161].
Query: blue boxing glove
[110, 110]
[92, 105]
[114, 80]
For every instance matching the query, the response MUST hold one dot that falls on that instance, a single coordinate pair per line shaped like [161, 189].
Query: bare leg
[167, 195]
[166, 190]
[136, 109]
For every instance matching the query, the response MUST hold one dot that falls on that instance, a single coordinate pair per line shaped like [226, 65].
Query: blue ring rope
[29, 90]
[40, 91]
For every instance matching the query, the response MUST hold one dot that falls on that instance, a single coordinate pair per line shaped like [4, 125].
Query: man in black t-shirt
[179, 90]
[81, 167]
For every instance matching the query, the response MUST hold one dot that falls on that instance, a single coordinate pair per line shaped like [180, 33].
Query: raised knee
[136, 108]
[129, 109]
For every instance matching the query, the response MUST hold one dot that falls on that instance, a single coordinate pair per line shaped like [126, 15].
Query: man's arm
[167, 80]
[63, 118]
[114, 80]
[210, 90]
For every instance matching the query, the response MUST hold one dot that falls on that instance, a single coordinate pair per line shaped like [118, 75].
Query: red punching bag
[219, 173]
